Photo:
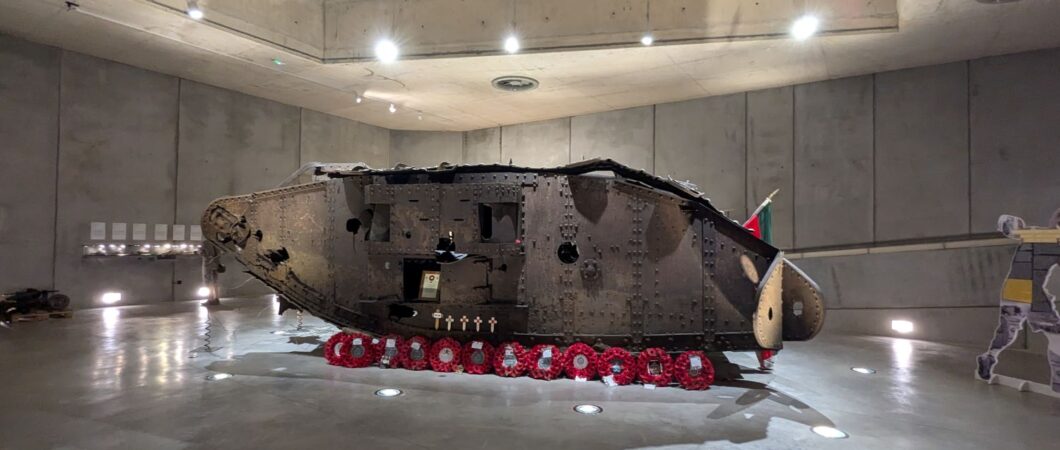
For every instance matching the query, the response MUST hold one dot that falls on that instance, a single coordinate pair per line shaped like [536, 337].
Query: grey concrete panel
[426, 148]
[704, 141]
[970, 326]
[833, 162]
[326, 138]
[482, 146]
[770, 158]
[29, 124]
[1015, 158]
[625, 136]
[117, 163]
[952, 278]
[230, 144]
[537, 144]
[922, 152]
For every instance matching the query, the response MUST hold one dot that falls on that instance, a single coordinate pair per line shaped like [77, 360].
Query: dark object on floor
[32, 302]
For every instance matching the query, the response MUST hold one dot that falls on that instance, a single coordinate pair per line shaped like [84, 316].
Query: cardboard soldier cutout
[1024, 295]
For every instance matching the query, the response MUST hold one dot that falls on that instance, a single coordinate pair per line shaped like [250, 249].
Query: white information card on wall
[117, 231]
[161, 232]
[195, 233]
[97, 231]
[139, 231]
[178, 232]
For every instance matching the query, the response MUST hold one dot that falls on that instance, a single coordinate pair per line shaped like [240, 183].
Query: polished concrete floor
[123, 378]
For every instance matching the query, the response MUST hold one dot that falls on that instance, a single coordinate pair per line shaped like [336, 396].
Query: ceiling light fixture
[111, 298]
[278, 62]
[218, 376]
[804, 27]
[514, 83]
[359, 99]
[386, 51]
[392, 108]
[511, 45]
[863, 370]
[194, 11]
[647, 40]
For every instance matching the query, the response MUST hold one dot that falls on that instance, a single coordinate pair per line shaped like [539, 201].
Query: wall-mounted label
[195, 233]
[117, 231]
[139, 231]
[178, 232]
[97, 231]
[161, 232]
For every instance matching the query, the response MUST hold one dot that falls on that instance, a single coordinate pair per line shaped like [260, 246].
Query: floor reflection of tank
[592, 252]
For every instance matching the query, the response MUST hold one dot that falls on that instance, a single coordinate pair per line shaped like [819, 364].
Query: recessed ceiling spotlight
[194, 11]
[647, 40]
[588, 409]
[386, 51]
[419, 116]
[388, 392]
[278, 62]
[804, 27]
[829, 432]
[511, 45]
[514, 83]
[863, 370]
[392, 108]
[359, 99]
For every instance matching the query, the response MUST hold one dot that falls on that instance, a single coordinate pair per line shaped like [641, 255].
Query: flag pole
[763, 205]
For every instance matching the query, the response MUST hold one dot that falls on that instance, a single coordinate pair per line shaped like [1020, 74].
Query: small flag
[760, 223]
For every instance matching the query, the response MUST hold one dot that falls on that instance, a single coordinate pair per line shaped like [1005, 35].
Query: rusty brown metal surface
[593, 252]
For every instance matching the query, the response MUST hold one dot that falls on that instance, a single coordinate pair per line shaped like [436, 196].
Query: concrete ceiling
[448, 86]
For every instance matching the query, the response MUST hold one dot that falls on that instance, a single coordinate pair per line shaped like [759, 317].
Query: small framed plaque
[429, 284]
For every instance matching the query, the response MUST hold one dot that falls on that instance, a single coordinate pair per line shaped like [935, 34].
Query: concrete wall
[117, 164]
[89, 140]
[426, 148]
[29, 120]
[922, 154]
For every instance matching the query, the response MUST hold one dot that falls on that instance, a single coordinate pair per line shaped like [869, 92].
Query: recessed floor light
[388, 392]
[588, 409]
[218, 376]
[829, 432]
[902, 326]
[863, 370]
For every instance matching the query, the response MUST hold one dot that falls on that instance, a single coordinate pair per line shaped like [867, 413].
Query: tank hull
[593, 252]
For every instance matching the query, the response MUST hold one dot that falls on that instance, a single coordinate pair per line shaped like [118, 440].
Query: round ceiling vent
[515, 83]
